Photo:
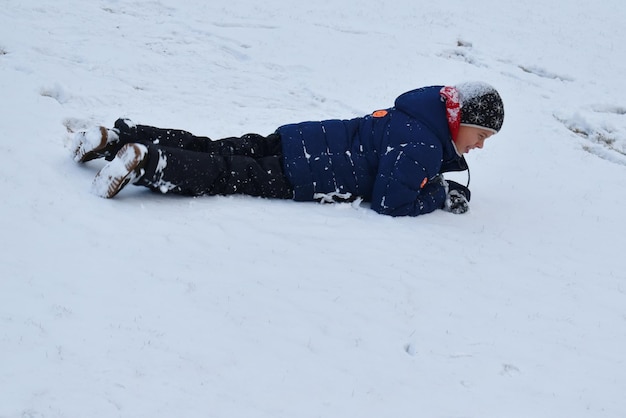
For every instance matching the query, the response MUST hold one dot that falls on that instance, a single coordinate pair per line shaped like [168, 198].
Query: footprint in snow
[543, 73]
[463, 52]
[602, 129]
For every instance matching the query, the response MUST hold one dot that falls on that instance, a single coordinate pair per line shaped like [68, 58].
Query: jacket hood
[427, 105]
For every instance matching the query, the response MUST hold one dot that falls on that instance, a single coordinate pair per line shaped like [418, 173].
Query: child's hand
[456, 202]
[453, 185]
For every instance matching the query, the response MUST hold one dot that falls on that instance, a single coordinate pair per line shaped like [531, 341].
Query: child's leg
[251, 145]
[173, 170]
[248, 145]
[105, 143]
[128, 132]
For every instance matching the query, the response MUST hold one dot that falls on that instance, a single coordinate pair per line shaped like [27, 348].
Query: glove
[457, 195]
[456, 202]
[453, 185]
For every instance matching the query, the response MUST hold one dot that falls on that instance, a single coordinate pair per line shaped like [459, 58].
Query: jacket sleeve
[407, 183]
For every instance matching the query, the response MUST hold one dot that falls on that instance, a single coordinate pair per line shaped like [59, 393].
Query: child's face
[471, 137]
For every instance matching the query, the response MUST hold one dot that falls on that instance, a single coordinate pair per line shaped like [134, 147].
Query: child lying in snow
[393, 158]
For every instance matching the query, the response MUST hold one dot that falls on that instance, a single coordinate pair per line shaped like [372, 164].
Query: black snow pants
[180, 162]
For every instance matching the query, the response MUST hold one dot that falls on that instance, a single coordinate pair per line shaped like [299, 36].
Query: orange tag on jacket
[424, 182]
[380, 114]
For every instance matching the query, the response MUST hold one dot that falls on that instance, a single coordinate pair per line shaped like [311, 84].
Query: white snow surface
[151, 305]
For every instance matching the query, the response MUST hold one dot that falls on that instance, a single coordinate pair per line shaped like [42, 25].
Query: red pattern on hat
[453, 109]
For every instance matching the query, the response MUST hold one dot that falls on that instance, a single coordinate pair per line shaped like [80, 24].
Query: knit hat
[481, 106]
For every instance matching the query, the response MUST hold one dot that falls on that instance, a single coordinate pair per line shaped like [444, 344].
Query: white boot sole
[91, 144]
[123, 169]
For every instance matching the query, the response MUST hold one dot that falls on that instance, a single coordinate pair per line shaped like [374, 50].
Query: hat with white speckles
[481, 106]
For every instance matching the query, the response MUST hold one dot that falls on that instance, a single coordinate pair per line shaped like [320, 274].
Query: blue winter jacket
[391, 158]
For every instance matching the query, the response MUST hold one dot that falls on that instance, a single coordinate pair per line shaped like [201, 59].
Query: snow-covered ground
[162, 306]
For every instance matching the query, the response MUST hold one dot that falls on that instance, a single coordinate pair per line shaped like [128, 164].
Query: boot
[93, 143]
[127, 167]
